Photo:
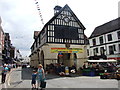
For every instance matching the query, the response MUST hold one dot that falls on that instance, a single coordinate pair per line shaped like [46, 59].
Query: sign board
[66, 50]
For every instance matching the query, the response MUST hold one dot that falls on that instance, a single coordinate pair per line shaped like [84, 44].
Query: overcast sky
[21, 18]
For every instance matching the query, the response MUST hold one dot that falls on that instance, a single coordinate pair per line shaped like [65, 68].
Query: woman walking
[41, 75]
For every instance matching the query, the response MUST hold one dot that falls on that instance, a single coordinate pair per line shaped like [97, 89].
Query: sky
[20, 18]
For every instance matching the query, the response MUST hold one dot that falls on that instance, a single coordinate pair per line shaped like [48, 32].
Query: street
[21, 78]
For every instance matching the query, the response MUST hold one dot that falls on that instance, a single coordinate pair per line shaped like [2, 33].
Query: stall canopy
[111, 60]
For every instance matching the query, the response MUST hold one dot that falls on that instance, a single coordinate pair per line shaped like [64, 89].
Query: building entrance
[68, 59]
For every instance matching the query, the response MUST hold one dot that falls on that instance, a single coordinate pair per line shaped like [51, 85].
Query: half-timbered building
[61, 40]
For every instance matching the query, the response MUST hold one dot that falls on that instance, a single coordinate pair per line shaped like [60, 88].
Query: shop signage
[66, 50]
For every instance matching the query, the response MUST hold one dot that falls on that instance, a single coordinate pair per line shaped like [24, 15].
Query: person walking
[41, 75]
[34, 75]
[4, 72]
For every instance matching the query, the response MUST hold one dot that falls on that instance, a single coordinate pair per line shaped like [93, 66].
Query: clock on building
[66, 19]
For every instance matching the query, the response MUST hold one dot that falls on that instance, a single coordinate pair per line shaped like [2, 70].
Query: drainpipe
[105, 44]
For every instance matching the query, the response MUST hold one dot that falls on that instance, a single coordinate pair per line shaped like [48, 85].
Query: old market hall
[61, 40]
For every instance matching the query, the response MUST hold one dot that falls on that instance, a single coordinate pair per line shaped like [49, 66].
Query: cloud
[20, 19]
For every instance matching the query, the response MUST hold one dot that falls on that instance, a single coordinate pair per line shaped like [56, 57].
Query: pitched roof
[106, 28]
[66, 6]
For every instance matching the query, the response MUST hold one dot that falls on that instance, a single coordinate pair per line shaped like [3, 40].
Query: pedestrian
[4, 72]
[41, 75]
[9, 67]
[34, 75]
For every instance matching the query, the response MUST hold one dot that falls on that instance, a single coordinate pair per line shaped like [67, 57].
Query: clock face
[66, 19]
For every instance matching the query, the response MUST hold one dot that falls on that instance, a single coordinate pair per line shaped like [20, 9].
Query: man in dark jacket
[4, 72]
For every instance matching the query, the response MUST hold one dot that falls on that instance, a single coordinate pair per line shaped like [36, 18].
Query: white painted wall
[106, 47]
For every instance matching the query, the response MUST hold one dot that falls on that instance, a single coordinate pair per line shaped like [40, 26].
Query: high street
[21, 78]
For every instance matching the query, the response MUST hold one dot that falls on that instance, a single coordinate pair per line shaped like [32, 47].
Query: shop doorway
[68, 59]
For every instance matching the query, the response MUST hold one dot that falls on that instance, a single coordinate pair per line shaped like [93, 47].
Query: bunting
[38, 8]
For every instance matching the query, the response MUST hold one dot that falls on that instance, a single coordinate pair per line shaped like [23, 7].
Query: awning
[110, 60]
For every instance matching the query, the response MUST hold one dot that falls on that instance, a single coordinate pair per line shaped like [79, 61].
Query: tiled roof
[106, 28]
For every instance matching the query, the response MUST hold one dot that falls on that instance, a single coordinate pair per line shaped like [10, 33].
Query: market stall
[98, 67]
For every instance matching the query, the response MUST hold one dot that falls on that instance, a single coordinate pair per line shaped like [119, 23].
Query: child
[34, 75]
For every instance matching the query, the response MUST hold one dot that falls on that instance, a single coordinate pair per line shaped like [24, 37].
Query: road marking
[5, 85]
[8, 81]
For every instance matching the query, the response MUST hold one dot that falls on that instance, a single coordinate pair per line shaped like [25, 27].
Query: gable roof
[66, 6]
[106, 28]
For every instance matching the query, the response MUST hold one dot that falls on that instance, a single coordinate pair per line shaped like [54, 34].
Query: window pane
[87, 52]
[118, 34]
[114, 46]
[94, 42]
[94, 51]
[119, 48]
[109, 37]
[102, 51]
[111, 50]
[101, 40]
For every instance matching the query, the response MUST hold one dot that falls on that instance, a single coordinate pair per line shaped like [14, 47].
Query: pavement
[0, 83]
[21, 78]
[7, 79]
